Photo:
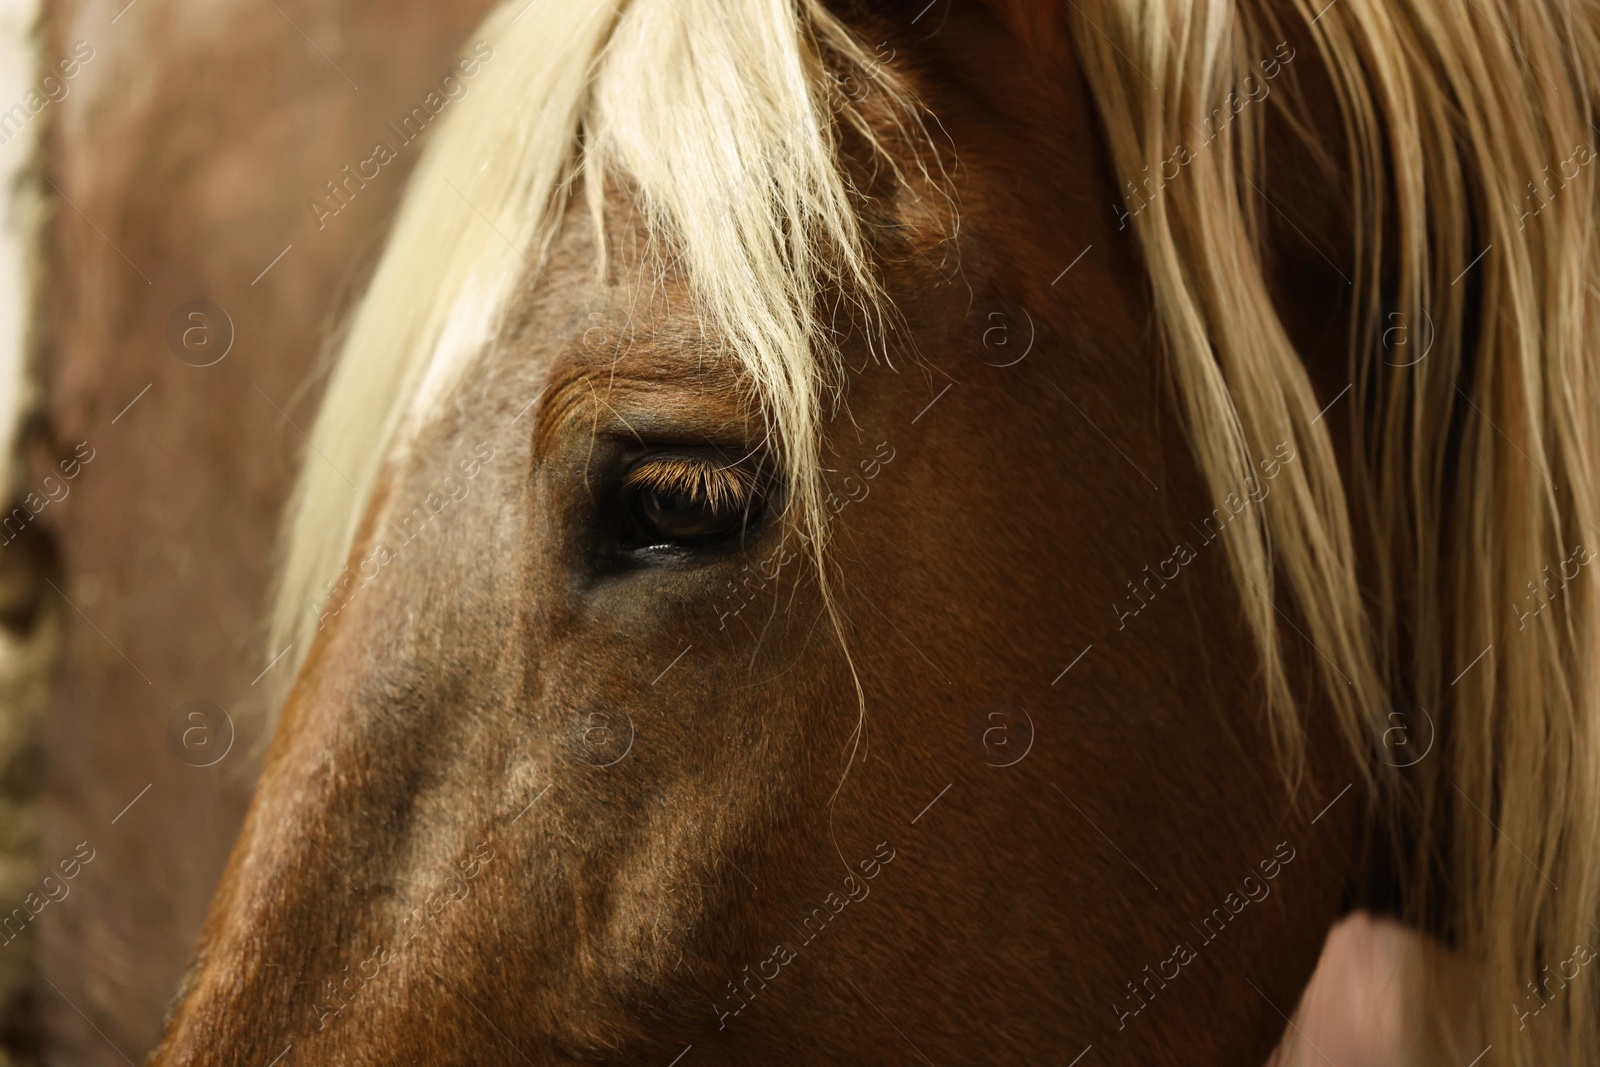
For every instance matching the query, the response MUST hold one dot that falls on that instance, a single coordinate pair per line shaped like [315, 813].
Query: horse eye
[689, 502]
[686, 518]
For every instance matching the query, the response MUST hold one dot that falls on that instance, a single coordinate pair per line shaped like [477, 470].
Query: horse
[928, 532]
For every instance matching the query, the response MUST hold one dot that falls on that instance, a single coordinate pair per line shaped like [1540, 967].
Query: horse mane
[1472, 472]
[1468, 472]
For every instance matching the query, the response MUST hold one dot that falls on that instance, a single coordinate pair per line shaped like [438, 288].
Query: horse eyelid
[715, 483]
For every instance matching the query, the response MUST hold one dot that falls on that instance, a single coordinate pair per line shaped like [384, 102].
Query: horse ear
[1039, 24]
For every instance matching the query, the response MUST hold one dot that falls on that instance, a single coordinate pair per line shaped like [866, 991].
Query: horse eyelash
[718, 485]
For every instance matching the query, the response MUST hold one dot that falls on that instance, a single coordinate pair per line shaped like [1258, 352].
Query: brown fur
[445, 720]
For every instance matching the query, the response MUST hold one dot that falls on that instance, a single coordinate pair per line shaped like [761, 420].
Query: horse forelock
[741, 188]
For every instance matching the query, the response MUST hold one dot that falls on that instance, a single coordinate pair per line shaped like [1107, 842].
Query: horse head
[826, 538]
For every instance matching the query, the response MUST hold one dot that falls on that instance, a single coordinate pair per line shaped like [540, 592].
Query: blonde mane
[1473, 469]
